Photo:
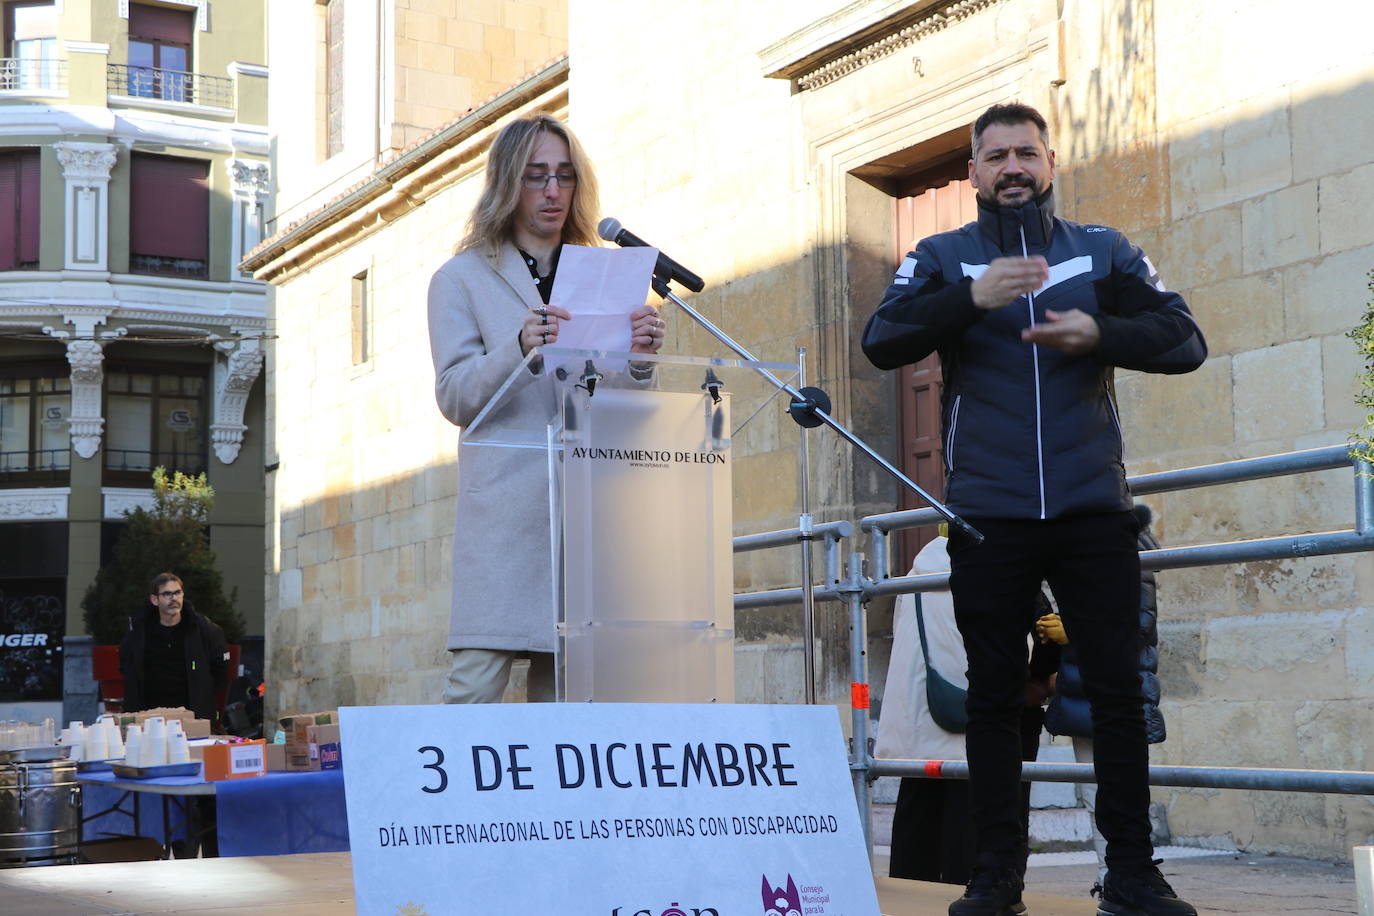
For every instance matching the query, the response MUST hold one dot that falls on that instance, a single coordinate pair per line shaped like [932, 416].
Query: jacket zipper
[1116, 421]
[1035, 367]
[953, 430]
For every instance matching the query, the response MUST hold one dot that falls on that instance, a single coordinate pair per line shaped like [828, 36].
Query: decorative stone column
[86, 166]
[234, 379]
[86, 358]
[250, 183]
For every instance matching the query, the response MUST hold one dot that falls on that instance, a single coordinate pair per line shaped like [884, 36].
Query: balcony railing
[33, 74]
[133, 460]
[47, 465]
[169, 85]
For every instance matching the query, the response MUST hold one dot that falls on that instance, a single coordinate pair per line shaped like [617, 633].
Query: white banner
[603, 809]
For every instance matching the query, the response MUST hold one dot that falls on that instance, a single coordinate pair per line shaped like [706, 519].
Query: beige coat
[905, 729]
[502, 578]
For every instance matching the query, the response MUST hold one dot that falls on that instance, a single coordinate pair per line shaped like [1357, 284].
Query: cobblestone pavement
[1233, 883]
[1230, 883]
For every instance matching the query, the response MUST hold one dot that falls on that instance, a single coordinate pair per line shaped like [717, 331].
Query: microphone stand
[809, 408]
[813, 405]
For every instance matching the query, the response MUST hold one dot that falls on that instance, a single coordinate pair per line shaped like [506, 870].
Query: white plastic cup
[114, 743]
[153, 750]
[178, 748]
[94, 745]
[133, 738]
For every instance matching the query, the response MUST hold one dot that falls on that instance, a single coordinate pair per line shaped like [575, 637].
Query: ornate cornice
[40, 504]
[86, 162]
[249, 177]
[836, 67]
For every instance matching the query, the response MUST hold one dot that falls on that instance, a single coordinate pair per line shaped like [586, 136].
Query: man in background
[173, 656]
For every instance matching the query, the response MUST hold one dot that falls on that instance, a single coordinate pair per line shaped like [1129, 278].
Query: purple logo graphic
[674, 911]
[779, 902]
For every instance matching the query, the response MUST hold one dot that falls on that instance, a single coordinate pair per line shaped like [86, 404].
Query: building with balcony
[134, 169]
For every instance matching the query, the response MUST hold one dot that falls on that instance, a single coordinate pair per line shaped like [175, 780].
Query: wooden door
[922, 456]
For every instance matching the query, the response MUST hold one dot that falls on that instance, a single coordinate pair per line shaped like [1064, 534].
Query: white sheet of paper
[601, 287]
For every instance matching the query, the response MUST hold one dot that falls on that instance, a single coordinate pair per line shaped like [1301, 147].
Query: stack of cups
[133, 741]
[153, 751]
[95, 744]
[114, 744]
[72, 735]
[178, 748]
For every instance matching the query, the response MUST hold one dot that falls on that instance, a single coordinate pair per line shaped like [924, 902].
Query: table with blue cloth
[274, 814]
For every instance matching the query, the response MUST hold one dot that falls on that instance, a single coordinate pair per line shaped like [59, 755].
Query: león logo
[674, 909]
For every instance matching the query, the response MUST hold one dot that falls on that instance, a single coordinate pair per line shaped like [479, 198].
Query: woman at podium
[488, 309]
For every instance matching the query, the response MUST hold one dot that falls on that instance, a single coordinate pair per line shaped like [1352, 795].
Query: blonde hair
[493, 219]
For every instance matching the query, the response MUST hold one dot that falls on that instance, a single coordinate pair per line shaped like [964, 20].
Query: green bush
[171, 538]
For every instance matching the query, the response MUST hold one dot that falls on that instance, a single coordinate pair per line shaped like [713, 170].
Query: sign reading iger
[619, 809]
[32, 621]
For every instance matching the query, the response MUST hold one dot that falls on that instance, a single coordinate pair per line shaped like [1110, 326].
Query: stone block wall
[451, 55]
[1262, 228]
[366, 489]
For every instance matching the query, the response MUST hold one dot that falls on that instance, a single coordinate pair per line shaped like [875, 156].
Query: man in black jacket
[1030, 314]
[171, 655]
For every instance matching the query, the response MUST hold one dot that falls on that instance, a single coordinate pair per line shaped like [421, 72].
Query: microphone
[590, 377]
[611, 230]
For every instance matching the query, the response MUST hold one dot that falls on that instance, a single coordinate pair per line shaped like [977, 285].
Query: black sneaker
[1141, 893]
[991, 892]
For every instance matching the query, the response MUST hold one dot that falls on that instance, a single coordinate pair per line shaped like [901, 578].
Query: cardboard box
[235, 761]
[325, 753]
[194, 728]
[276, 757]
[296, 730]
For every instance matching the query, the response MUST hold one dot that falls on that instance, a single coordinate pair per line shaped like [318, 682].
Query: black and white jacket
[1031, 432]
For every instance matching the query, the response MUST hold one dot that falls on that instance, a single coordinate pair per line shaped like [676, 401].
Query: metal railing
[856, 588]
[135, 460]
[35, 465]
[33, 74]
[169, 85]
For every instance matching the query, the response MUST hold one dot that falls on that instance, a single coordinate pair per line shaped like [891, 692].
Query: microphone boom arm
[807, 406]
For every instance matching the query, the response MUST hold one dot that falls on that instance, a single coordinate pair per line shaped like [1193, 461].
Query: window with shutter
[19, 210]
[169, 216]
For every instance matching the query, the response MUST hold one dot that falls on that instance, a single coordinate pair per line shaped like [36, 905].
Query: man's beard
[992, 199]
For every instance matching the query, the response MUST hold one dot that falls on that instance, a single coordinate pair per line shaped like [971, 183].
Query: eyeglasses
[175, 594]
[538, 181]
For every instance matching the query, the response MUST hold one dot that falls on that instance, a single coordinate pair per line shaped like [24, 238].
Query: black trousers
[1093, 568]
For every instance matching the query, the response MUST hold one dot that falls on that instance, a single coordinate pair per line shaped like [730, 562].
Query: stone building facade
[134, 155]
[771, 156]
